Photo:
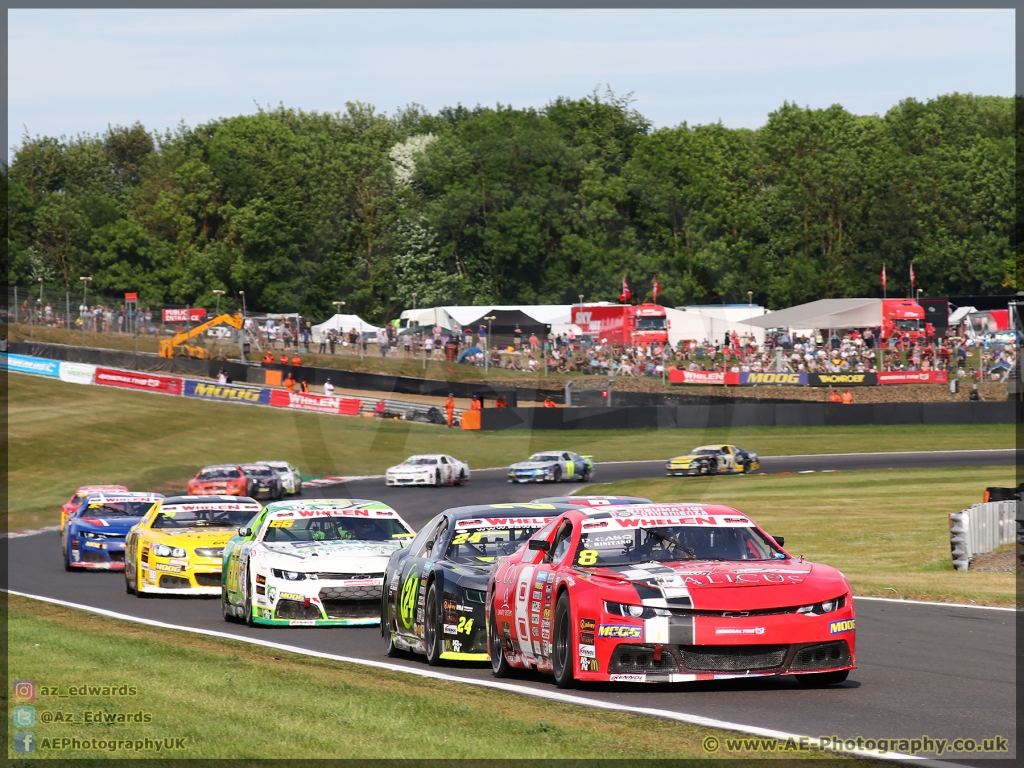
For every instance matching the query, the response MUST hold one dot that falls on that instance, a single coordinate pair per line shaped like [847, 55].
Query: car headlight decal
[825, 606]
[634, 611]
[210, 551]
[162, 550]
[288, 575]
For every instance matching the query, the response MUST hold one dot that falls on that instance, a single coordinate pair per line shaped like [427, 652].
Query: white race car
[311, 563]
[428, 469]
[291, 480]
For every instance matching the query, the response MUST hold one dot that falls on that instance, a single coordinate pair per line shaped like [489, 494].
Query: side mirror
[540, 545]
[245, 532]
[780, 540]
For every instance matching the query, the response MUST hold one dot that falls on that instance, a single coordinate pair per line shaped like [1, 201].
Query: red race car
[219, 480]
[75, 501]
[666, 593]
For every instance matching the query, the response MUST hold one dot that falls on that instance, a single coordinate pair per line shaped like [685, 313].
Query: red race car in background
[78, 496]
[219, 480]
[666, 593]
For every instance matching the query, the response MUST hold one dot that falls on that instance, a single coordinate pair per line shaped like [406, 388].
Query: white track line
[563, 698]
[926, 602]
[30, 532]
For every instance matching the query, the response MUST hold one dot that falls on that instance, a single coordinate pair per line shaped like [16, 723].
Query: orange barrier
[471, 419]
[273, 378]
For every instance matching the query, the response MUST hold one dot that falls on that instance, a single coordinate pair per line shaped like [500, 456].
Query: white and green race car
[552, 467]
[311, 563]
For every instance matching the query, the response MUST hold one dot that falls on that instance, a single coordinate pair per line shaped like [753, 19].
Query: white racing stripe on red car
[550, 695]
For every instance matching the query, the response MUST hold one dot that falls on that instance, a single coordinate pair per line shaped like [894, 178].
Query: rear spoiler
[586, 456]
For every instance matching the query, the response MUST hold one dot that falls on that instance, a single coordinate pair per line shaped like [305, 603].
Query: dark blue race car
[95, 533]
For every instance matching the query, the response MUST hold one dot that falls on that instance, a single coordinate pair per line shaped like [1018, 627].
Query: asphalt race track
[923, 669]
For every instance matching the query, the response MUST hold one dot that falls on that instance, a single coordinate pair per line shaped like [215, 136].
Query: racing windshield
[545, 457]
[115, 509]
[419, 461]
[705, 452]
[265, 473]
[180, 517]
[484, 544]
[655, 323]
[334, 529]
[670, 543]
[219, 473]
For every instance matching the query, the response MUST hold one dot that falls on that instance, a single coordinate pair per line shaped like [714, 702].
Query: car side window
[560, 546]
[444, 460]
[530, 555]
[567, 457]
[435, 543]
[417, 544]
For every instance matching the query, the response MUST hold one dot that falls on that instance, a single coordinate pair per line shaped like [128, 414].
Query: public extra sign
[677, 376]
[150, 382]
[306, 401]
[194, 315]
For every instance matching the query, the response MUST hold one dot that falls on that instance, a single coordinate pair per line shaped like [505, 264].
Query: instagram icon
[24, 690]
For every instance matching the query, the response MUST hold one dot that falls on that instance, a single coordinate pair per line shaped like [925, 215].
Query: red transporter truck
[623, 324]
[904, 315]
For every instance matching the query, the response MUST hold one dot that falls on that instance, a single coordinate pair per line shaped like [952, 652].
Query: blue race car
[552, 467]
[95, 533]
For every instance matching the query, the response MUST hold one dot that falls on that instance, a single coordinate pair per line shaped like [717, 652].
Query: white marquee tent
[341, 324]
[825, 314]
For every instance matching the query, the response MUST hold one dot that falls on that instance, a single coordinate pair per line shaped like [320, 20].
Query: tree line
[300, 209]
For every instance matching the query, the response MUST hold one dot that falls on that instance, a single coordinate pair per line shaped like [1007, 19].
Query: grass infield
[63, 435]
[886, 530]
[233, 700]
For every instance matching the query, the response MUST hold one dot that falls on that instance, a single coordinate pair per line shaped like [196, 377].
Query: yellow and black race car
[714, 460]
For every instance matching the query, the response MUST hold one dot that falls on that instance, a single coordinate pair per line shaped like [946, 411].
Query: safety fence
[984, 528]
[87, 373]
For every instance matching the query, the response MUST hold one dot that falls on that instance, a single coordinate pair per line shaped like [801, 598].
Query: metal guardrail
[983, 528]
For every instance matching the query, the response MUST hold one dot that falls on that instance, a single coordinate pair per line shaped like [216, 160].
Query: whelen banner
[677, 376]
[769, 377]
[913, 377]
[26, 364]
[320, 403]
[194, 315]
[842, 379]
[149, 382]
[211, 390]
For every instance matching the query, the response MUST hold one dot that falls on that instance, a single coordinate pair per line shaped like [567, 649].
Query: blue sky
[72, 71]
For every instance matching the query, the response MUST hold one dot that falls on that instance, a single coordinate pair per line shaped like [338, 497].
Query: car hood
[732, 586]
[105, 525]
[685, 458]
[326, 553]
[533, 464]
[411, 468]
[195, 537]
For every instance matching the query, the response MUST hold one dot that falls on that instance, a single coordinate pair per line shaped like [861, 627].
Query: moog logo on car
[620, 630]
[846, 625]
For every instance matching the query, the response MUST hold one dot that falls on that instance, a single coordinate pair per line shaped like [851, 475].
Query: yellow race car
[713, 460]
[178, 547]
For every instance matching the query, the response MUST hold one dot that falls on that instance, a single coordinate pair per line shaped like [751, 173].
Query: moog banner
[677, 376]
[347, 406]
[768, 377]
[150, 382]
[210, 390]
[842, 379]
[26, 364]
[913, 377]
[77, 373]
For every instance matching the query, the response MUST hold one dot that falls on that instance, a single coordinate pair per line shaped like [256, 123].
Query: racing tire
[228, 616]
[499, 664]
[561, 645]
[745, 468]
[66, 558]
[823, 679]
[712, 467]
[391, 650]
[432, 631]
[558, 475]
[585, 475]
[437, 477]
[248, 602]
[462, 479]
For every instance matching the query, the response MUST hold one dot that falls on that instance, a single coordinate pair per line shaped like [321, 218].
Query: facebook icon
[24, 741]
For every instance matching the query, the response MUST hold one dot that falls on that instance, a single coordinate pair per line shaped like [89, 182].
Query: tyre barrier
[984, 528]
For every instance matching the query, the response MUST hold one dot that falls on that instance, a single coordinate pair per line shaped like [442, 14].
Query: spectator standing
[517, 338]
[289, 382]
[847, 397]
[222, 376]
[834, 397]
[534, 341]
[323, 343]
[482, 335]
[328, 388]
[295, 361]
[449, 407]
[304, 387]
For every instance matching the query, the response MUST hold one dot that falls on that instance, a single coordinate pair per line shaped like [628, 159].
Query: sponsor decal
[588, 624]
[271, 591]
[150, 382]
[799, 379]
[629, 678]
[535, 618]
[77, 373]
[677, 376]
[536, 594]
[547, 613]
[846, 625]
[306, 401]
[302, 623]
[451, 629]
[27, 364]
[590, 665]
[451, 611]
[842, 379]
[191, 315]
[535, 607]
[167, 567]
[289, 596]
[739, 631]
[551, 577]
[407, 603]
[587, 651]
[625, 631]
[587, 638]
[913, 377]
[206, 390]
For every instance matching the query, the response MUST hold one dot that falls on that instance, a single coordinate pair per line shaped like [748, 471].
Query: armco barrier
[150, 382]
[749, 415]
[77, 373]
[26, 364]
[980, 529]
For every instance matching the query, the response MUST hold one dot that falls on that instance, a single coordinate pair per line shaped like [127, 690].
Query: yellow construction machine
[168, 347]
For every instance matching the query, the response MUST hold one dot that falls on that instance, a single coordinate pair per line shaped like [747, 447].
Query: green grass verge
[887, 531]
[64, 435]
[232, 700]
